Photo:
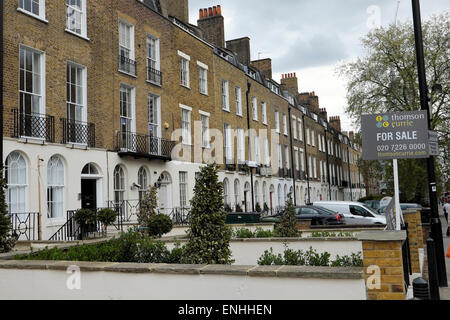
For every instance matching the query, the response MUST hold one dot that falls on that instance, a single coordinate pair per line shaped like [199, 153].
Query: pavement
[445, 292]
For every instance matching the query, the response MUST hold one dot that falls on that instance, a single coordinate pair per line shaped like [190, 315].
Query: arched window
[89, 169]
[55, 188]
[237, 193]
[226, 191]
[119, 186]
[264, 193]
[285, 195]
[16, 178]
[143, 182]
[280, 196]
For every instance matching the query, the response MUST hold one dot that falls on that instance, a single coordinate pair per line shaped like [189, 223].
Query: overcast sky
[311, 37]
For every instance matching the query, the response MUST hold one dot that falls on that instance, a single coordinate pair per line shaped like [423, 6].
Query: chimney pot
[201, 13]
[219, 10]
[214, 11]
[210, 12]
[295, 75]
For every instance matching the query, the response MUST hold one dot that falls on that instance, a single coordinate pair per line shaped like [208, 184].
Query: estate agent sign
[399, 135]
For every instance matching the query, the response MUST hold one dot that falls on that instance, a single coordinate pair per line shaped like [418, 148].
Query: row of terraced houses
[103, 99]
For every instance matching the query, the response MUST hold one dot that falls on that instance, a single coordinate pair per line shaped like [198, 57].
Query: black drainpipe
[249, 86]
[328, 165]
[349, 174]
[1, 85]
[306, 158]
[292, 154]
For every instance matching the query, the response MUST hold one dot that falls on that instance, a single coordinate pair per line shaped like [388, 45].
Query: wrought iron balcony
[144, 146]
[127, 65]
[230, 166]
[77, 132]
[154, 76]
[33, 125]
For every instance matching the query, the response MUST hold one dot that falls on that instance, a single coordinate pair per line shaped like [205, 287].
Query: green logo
[382, 121]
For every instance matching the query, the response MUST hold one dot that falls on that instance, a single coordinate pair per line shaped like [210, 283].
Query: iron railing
[154, 76]
[127, 65]
[25, 226]
[34, 125]
[144, 145]
[230, 167]
[70, 231]
[406, 256]
[127, 210]
[180, 216]
[77, 132]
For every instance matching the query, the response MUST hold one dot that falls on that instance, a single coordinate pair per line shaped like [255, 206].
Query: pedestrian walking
[446, 209]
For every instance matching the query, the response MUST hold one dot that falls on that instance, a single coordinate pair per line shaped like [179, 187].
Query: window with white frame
[308, 137]
[16, 179]
[183, 189]
[257, 150]
[184, 69]
[225, 96]
[126, 116]
[76, 16]
[266, 152]
[300, 130]
[126, 48]
[237, 192]
[313, 138]
[255, 108]
[285, 127]
[33, 7]
[55, 188]
[256, 193]
[280, 157]
[154, 122]
[143, 182]
[203, 80]
[286, 157]
[323, 144]
[31, 91]
[205, 130]
[226, 191]
[76, 102]
[277, 121]
[297, 163]
[294, 127]
[186, 126]
[153, 60]
[228, 143]
[302, 160]
[238, 93]
[310, 167]
[241, 145]
[119, 186]
[264, 112]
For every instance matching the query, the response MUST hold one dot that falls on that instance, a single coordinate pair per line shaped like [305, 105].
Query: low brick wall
[415, 237]
[48, 280]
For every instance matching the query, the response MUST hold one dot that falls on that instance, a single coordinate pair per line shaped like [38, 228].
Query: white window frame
[238, 93]
[131, 50]
[240, 145]
[300, 130]
[183, 188]
[228, 143]
[203, 78]
[40, 16]
[225, 95]
[18, 187]
[257, 150]
[264, 112]
[56, 188]
[156, 60]
[83, 19]
[313, 138]
[186, 131]
[205, 116]
[294, 127]
[266, 152]
[287, 161]
[184, 72]
[277, 121]
[255, 108]
[308, 136]
[285, 129]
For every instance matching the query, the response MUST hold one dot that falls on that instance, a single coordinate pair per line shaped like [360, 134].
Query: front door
[89, 194]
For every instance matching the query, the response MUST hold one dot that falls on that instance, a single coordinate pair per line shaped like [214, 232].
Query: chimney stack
[290, 82]
[241, 47]
[335, 122]
[211, 22]
[264, 66]
[323, 114]
[178, 9]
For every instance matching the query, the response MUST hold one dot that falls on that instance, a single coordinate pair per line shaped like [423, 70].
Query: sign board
[434, 144]
[399, 135]
[391, 217]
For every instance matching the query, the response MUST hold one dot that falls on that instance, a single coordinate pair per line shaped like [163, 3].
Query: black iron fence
[25, 226]
[180, 216]
[154, 76]
[78, 132]
[145, 145]
[406, 256]
[33, 125]
[70, 231]
[127, 65]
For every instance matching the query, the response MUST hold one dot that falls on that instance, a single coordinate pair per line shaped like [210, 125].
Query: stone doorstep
[251, 271]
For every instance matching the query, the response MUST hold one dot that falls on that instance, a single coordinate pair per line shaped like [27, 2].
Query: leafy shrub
[244, 233]
[159, 224]
[148, 206]
[309, 258]
[238, 208]
[107, 216]
[85, 217]
[258, 208]
[261, 233]
[287, 228]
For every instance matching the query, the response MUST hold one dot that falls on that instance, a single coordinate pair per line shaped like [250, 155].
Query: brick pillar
[382, 250]
[415, 234]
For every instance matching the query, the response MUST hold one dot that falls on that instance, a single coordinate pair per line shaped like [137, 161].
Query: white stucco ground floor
[53, 179]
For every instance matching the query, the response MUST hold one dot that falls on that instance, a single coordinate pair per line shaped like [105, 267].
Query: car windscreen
[370, 210]
[322, 209]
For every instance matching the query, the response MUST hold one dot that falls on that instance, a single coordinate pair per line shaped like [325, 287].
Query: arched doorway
[165, 193]
[247, 197]
[91, 187]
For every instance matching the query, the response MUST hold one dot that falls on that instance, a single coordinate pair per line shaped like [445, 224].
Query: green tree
[385, 79]
[7, 242]
[288, 221]
[208, 236]
[148, 206]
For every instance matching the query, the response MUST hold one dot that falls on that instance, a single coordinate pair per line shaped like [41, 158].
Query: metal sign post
[398, 212]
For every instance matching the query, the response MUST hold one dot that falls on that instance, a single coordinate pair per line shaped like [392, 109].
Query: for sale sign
[400, 135]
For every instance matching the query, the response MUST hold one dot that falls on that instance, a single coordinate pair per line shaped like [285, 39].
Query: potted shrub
[86, 219]
[158, 225]
[106, 217]
[258, 208]
[238, 208]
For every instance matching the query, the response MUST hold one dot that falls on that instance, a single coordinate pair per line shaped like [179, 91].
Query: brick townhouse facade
[103, 99]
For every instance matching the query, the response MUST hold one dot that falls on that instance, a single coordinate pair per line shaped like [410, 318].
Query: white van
[354, 212]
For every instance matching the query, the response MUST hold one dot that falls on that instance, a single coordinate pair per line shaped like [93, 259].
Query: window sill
[205, 94]
[185, 86]
[32, 15]
[226, 110]
[154, 83]
[77, 35]
[77, 146]
[32, 140]
[128, 74]
[239, 115]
